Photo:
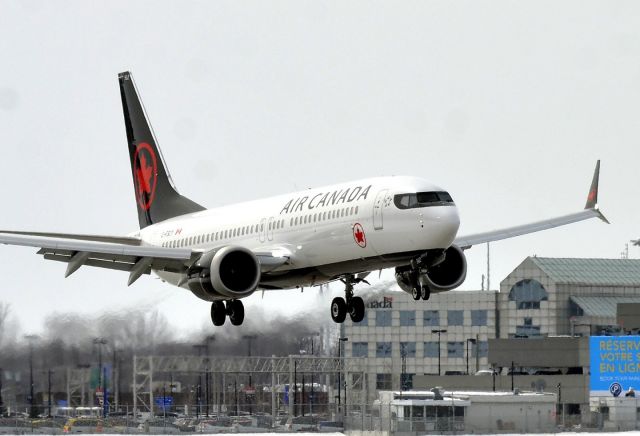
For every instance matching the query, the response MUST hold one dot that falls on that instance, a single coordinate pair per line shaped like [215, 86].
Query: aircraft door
[377, 209]
[262, 234]
[270, 227]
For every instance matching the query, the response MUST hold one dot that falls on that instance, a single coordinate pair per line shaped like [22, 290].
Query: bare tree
[5, 310]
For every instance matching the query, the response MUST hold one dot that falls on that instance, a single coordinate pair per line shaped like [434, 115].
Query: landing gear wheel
[415, 293]
[356, 309]
[338, 310]
[218, 313]
[426, 292]
[235, 310]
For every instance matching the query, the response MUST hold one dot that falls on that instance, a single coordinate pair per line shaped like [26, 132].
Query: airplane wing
[119, 253]
[590, 211]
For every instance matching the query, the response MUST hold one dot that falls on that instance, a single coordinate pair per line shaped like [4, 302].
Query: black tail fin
[156, 197]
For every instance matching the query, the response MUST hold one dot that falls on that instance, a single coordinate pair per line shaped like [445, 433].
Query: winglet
[592, 198]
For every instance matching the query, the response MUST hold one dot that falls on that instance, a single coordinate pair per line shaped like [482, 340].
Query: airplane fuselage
[325, 232]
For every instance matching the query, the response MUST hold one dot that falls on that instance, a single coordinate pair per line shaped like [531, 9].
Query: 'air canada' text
[324, 199]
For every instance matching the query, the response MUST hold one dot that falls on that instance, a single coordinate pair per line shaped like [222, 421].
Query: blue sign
[615, 389]
[615, 365]
[163, 401]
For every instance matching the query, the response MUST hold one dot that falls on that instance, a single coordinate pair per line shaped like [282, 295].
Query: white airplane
[307, 238]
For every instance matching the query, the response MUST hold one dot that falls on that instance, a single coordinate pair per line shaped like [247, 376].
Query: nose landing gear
[234, 309]
[351, 304]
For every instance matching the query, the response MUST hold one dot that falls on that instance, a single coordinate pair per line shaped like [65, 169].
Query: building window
[407, 349]
[455, 349]
[528, 294]
[383, 318]
[406, 380]
[483, 348]
[383, 349]
[383, 381]
[407, 317]
[478, 317]
[360, 349]
[527, 328]
[455, 317]
[431, 349]
[431, 317]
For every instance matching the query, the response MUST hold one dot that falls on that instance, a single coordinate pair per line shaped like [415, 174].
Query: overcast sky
[507, 105]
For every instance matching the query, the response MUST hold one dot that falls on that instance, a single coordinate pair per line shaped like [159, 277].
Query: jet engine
[226, 273]
[445, 272]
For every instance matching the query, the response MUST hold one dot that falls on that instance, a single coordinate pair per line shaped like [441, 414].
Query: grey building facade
[540, 298]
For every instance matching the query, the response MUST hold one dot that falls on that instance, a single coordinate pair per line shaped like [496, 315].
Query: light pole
[49, 372]
[207, 378]
[249, 339]
[200, 348]
[473, 341]
[1, 403]
[403, 366]
[439, 331]
[32, 408]
[340, 341]
[312, 378]
[100, 342]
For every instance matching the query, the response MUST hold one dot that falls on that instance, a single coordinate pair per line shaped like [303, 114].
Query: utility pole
[49, 393]
[488, 268]
[473, 341]
[32, 408]
[208, 370]
[1, 403]
[493, 375]
[295, 387]
[340, 341]
[249, 339]
[403, 366]
[439, 331]
[200, 348]
[512, 371]
[101, 382]
[115, 377]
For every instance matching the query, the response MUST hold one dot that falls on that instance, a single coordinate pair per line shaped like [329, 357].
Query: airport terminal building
[450, 334]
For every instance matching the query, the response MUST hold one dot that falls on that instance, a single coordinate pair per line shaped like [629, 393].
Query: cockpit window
[422, 199]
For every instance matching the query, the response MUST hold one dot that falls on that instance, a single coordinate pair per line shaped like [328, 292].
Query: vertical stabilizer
[156, 196]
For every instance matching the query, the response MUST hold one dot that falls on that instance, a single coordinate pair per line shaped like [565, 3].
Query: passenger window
[356, 210]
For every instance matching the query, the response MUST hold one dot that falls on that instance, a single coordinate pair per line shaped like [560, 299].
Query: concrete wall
[516, 416]
[628, 315]
[623, 412]
[554, 352]
[575, 388]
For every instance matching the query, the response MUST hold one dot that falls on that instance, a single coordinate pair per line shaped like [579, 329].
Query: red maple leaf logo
[358, 235]
[143, 174]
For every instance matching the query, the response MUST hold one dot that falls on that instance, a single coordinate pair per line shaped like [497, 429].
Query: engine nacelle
[447, 274]
[225, 273]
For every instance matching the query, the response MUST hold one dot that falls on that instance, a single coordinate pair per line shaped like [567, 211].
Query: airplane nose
[443, 221]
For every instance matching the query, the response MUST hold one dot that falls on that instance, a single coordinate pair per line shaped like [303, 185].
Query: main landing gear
[350, 304]
[418, 290]
[234, 309]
